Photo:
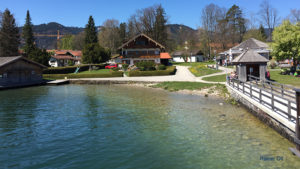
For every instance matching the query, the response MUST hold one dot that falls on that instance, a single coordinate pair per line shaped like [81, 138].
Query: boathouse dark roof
[7, 60]
[250, 56]
[251, 44]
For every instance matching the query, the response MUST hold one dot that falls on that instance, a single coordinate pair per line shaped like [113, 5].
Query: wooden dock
[58, 82]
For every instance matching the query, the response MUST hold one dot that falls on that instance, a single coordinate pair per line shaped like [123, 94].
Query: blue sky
[76, 12]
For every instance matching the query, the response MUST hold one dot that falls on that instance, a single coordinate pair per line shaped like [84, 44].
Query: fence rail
[274, 87]
[268, 96]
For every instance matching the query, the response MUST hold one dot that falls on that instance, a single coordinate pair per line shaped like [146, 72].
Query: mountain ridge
[177, 32]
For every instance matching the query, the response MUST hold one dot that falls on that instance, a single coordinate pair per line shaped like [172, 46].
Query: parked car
[111, 66]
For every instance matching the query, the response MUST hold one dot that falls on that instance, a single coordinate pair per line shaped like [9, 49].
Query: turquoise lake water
[123, 127]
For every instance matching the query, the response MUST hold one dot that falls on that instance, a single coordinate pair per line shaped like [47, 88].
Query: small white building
[194, 56]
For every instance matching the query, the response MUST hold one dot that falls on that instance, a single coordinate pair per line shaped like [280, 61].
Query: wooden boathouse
[19, 71]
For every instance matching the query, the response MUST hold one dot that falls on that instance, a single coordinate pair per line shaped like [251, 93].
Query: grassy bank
[218, 89]
[285, 79]
[218, 78]
[100, 71]
[83, 75]
[202, 70]
[170, 70]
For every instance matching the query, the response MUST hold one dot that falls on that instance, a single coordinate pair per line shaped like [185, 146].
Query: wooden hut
[19, 71]
[250, 63]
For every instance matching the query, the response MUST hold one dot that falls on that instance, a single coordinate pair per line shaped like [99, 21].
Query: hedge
[169, 71]
[75, 76]
[70, 69]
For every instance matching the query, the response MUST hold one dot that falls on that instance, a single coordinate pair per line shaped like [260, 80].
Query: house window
[33, 72]
[4, 75]
[156, 52]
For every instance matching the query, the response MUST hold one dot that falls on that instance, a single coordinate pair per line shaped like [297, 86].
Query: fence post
[243, 87]
[297, 126]
[289, 110]
[260, 96]
[250, 90]
[282, 91]
[272, 101]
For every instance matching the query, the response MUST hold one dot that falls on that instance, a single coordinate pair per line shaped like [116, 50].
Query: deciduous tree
[66, 43]
[286, 41]
[109, 36]
[269, 16]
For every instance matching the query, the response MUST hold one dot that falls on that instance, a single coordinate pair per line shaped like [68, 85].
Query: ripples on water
[87, 126]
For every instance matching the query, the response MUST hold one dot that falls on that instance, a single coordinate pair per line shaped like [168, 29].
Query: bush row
[169, 71]
[74, 76]
[71, 69]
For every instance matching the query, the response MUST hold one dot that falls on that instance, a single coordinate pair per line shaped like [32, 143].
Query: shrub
[272, 64]
[70, 63]
[70, 69]
[115, 69]
[70, 76]
[161, 67]
[169, 71]
[146, 65]
[125, 66]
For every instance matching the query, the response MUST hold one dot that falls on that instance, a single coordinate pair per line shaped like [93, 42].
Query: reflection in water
[89, 126]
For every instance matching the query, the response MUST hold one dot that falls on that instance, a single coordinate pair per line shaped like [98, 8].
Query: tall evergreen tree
[122, 32]
[236, 22]
[90, 32]
[262, 32]
[9, 35]
[28, 35]
[160, 32]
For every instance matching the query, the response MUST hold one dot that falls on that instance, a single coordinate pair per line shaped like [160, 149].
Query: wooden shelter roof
[7, 60]
[139, 35]
[251, 44]
[250, 56]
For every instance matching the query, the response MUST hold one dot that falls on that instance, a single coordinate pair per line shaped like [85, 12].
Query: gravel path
[182, 74]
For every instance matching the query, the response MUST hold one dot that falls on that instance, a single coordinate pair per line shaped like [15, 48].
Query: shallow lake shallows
[102, 126]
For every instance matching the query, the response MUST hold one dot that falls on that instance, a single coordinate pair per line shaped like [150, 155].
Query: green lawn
[285, 79]
[192, 63]
[100, 71]
[175, 86]
[202, 70]
[199, 68]
[218, 78]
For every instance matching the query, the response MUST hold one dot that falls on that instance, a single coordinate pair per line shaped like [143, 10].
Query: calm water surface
[120, 127]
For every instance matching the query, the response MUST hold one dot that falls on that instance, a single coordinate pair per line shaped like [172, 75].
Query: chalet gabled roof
[7, 60]
[251, 44]
[139, 35]
[250, 56]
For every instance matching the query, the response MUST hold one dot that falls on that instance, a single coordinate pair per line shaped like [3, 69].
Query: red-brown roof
[63, 57]
[165, 56]
[64, 52]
